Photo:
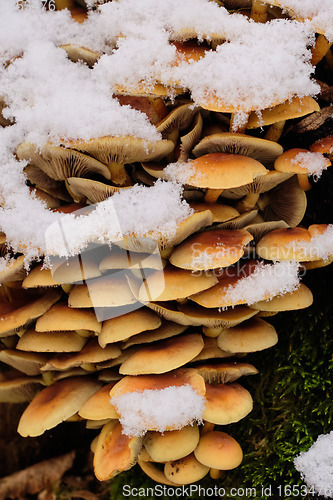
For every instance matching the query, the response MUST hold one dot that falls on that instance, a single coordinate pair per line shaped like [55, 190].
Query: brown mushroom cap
[175, 378]
[115, 452]
[60, 163]
[171, 445]
[286, 111]
[223, 171]
[286, 244]
[221, 213]
[163, 356]
[98, 406]
[323, 146]
[252, 335]
[226, 403]
[61, 317]
[215, 318]
[39, 277]
[154, 473]
[24, 308]
[56, 403]
[29, 363]
[174, 283]
[211, 249]
[299, 299]
[187, 470]
[127, 325]
[101, 292]
[223, 373]
[14, 271]
[260, 149]
[166, 330]
[50, 341]
[218, 450]
[19, 389]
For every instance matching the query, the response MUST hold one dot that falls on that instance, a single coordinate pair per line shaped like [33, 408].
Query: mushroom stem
[274, 132]
[212, 195]
[119, 176]
[263, 201]
[215, 473]
[303, 181]
[211, 331]
[247, 203]
[259, 11]
[320, 49]
[207, 427]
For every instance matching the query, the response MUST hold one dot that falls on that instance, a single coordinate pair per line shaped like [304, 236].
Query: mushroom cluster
[95, 336]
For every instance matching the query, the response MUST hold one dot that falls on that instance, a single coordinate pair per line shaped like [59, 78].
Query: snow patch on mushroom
[180, 171]
[319, 247]
[266, 281]
[315, 163]
[160, 410]
[131, 212]
[316, 465]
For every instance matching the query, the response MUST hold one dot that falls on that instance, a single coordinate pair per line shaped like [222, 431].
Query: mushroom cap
[60, 163]
[127, 325]
[75, 269]
[172, 445]
[62, 317]
[218, 450]
[299, 299]
[19, 390]
[14, 271]
[179, 118]
[223, 373]
[154, 107]
[115, 452]
[163, 356]
[77, 53]
[101, 292]
[174, 283]
[250, 336]
[186, 470]
[119, 258]
[166, 330]
[153, 472]
[39, 277]
[221, 213]
[323, 145]
[24, 308]
[287, 162]
[286, 244]
[56, 403]
[202, 316]
[175, 378]
[89, 190]
[122, 149]
[50, 341]
[98, 406]
[296, 107]
[223, 171]
[211, 249]
[210, 350]
[29, 363]
[90, 353]
[261, 150]
[226, 403]
[215, 296]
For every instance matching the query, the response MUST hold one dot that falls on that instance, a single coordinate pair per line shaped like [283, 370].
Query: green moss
[293, 404]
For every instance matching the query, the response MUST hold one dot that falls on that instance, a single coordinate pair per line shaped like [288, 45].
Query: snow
[319, 247]
[318, 13]
[316, 465]
[160, 410]
[266, 281]
[180, 171]
[51, 99]
[129, 212]
[315, 163]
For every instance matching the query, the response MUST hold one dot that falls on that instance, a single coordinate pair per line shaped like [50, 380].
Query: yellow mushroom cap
[226, 403]
[286, 244]
[299, 299]
[172, 445]
[127, 325]
[323, 146]
[253, 335]
[98, 406]
[211, 249]
[173, 283]
[163, 356]
[218, 450]
[61, 317]
[114, 452]
[50, 341]
[56, 403]
[223, 171]
[187, 470]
